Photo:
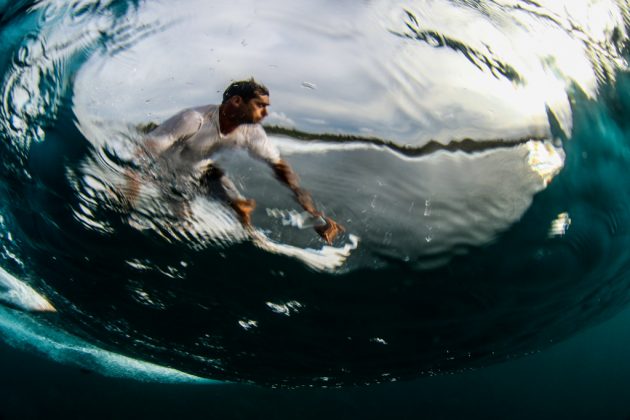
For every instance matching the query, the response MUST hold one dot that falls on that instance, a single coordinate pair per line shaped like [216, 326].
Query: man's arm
[177, 128]
[260, 147]
[286, 175]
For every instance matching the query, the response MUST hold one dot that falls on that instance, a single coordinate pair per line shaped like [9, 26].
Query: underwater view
[425, 192]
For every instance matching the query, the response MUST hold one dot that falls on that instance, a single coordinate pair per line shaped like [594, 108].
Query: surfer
[187, 141]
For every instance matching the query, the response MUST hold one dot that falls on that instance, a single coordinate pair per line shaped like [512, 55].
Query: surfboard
[328, 258]
[19, 295]
[214, 222]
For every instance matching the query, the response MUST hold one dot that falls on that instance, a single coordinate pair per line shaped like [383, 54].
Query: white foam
[25, 332]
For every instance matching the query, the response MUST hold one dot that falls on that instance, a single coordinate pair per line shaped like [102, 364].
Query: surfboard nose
[19, 295]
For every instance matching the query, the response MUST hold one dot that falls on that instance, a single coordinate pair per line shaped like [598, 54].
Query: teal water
[584, 377]
[476, 153]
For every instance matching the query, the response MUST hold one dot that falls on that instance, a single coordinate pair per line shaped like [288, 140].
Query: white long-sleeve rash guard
[192, 136]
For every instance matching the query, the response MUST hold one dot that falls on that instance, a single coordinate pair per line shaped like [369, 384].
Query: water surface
[474, 151]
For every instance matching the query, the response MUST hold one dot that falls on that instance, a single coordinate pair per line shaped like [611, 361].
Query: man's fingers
[330, 230]
[339, 227]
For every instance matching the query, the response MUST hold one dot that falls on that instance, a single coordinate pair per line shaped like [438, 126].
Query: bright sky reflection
[366, 79]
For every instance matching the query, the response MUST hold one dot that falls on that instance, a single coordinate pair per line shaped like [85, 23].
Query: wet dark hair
[246, 89]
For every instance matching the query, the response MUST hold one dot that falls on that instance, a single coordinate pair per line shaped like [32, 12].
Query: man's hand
[330, 230]
[244, 208]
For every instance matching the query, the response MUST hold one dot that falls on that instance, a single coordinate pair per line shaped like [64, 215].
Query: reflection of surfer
[187, 140]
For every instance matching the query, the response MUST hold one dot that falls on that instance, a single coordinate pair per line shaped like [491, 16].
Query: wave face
[474, 151]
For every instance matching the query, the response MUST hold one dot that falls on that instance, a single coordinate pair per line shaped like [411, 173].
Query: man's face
[256, 109]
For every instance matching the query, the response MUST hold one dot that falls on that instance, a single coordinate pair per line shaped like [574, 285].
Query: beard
[247, 118]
